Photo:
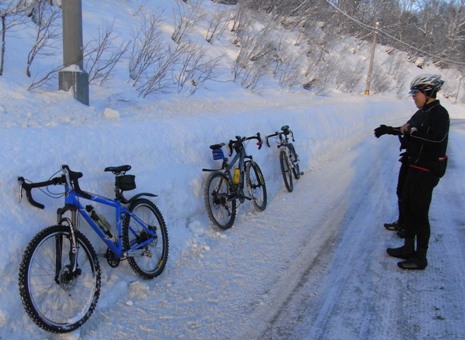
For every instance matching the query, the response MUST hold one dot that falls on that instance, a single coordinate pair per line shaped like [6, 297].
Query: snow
[311, 266]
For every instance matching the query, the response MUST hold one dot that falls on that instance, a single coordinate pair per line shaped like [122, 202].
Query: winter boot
[417, 262]
[392, 226]
[405, 252]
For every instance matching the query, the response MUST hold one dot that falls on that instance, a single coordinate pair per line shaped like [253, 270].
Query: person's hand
[405, 129]
[383, 129]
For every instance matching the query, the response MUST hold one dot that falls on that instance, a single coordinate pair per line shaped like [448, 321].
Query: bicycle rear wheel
[286, 170]
[153, 256]
[221, 208]
[56, 298]
[295, 161]
[256, 185]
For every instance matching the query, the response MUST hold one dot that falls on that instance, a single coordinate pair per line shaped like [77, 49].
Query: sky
[311, 266]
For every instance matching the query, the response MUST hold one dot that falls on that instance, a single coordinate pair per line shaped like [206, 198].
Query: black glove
[383, 129]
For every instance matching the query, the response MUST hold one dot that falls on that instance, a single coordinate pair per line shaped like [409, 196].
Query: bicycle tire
[221, 208]
[256, 185]
[286, 170]
[57, 303]
[294, 160]
[153, 260]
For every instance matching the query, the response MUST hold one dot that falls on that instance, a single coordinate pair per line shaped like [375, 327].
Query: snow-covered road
[313, 265]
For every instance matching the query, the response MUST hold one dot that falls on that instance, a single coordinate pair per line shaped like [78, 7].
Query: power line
[416, 49]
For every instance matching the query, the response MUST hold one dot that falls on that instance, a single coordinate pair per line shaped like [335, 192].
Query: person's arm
[386, 130]
[436, 132]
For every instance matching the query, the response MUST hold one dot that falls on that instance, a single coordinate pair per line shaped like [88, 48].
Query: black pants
[416, 199]
[400, 186]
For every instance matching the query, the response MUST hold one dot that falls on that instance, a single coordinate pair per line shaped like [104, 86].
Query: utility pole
[73, 76]
[372, 57]
[458, 89]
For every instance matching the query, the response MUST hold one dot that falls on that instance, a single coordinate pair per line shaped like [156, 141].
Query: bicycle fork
[65, 275]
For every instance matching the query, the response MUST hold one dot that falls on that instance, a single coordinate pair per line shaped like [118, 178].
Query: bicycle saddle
[118, 169]
[217, 146]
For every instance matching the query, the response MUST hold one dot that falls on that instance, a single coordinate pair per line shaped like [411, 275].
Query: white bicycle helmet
[427, 83]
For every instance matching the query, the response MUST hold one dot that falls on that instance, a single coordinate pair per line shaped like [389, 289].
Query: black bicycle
[225, 186]
[288, 157]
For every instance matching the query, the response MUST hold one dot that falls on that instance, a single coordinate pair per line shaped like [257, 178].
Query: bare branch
[102, 56]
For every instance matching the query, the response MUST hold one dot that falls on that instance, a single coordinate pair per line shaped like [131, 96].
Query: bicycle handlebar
[273, 135]
[29, 186]
[284, 131]
[61, 180]
[239, 139]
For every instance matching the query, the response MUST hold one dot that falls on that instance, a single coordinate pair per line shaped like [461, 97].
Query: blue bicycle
[59, 275]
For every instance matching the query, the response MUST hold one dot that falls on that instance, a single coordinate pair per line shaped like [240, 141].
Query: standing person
[426, 136]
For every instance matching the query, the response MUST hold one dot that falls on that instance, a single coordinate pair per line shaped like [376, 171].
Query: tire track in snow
[317, 296]
[359, 293]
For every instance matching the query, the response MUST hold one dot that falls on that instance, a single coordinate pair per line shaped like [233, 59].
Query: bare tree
[43, 80]
[185, 19]
[150, 57]
[156, 78]
[217, 24]
[102, 56]
[13, 10]
[146, 47]
[194, 67]
[45, 17]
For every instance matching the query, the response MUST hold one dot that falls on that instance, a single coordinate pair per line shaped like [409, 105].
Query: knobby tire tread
[208, 191]
[24, 284]
[162, 234]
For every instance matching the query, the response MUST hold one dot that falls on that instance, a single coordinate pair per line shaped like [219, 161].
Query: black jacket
[427, 143]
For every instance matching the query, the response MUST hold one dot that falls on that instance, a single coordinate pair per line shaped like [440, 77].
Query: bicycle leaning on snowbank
[59, 275]
[225, 186]
[288, 157]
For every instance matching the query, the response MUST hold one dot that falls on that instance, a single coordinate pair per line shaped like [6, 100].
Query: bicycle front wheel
[221, 208]
[286, 170]
[151, 258]
[56, 297]
[256, 185]
[295, 161]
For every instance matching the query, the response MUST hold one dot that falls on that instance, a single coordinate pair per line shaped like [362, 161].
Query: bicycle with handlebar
[225, 186]
[60, 275]
[288, 158]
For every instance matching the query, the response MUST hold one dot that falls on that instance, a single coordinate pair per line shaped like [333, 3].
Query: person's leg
[423, 188]
[408, 249]
[400, 185]
[398, 224]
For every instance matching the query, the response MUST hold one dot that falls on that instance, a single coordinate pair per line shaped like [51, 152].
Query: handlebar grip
[32, 201]
[268, 137]
[260, 142]
[267, 142]
[230, 145]
[28, 188]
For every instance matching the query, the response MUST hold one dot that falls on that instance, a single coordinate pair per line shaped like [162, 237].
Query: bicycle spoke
[55, 298]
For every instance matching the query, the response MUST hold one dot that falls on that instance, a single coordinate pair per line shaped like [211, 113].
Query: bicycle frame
[72, 202]
[241, 157]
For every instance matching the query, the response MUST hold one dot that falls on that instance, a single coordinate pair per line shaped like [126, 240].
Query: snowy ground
[311, 266]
